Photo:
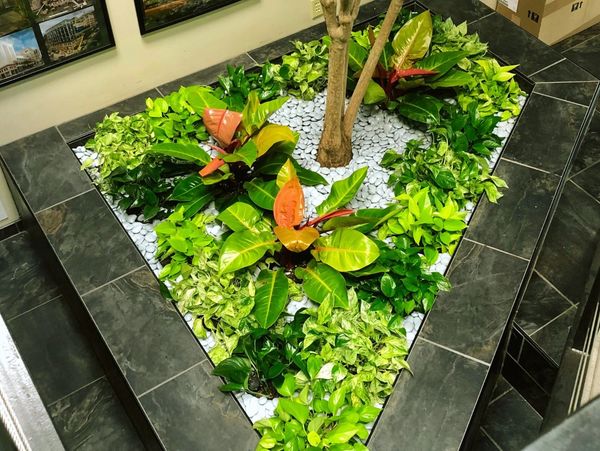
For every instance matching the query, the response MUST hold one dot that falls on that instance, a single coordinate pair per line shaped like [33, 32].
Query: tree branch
[330, 14]
[369, 67]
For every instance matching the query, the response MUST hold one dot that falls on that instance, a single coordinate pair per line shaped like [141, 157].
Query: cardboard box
[551, 20]
[490, 3]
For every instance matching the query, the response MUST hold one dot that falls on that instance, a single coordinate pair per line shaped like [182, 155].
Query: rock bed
[374, 132]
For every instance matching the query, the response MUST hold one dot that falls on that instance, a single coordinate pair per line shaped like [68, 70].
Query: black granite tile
[459, 10]
[567, 255]
[483, 443]
[45, 169]
[89, 241]
[9, 230]
[552, 338]
[541, 369]
[515, 343]
[540, 305]
[514, 224]
[523, 383]
[579, 92]
[93, 419]
[513, 44]
[589, 180]
[587, 55]
[564, 71]
[501, 387]
[207, 76]
[589, 152]
[511, 422]
[54, 349]
[276, 49]
[471, 318]
[434, 406]
[24, 282]
[577, 38]
[546, 133]
[374, 9]
[144, 332]
[190, 412]
[85, 124]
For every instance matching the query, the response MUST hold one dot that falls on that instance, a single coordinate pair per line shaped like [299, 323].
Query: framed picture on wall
[38, 35]
[156, 14]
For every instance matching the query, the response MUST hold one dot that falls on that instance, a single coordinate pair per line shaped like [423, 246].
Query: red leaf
[333, 214]
[221, 124]
[288, 208]
[397, 74]
[211, 167]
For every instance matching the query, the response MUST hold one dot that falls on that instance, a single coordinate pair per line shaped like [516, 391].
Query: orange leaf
[296, 240]
[221, 124]
[288, 208]
[211, 167]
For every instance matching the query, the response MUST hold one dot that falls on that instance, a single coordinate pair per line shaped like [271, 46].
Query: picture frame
[40, 35]
[157, 14]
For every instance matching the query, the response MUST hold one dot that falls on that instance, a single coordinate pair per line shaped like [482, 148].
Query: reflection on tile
[512, 422]
[589, 180]
[538, 365]
[9, 230]
[89, 241]
[553, 337]
[24, 282]
[540, 305]
[471, 317]
[525, 385]
[483, 443]
[54, 349]
[514, 224]
[207, 76]
[93, 419]
[587, 55]
[434, 406]
[514, 45]
[515, 343]
[563, 71]
[581, 93]
[36, 162]
[143, 331]
[543, 143]
[459, 10]
[85, 124]
[501, 387]
[190, 410]
[577, 39]
[568, 253]
[589, 152]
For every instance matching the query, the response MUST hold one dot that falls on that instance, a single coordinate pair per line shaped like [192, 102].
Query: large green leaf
[262, 193]
[242, 249]
[441, 62]
[420, 107]
[201, 99]
[272, 134]
[271, 163]
[357, 55]
[320, 280]
[187, 152]
[375, 93]
[342, 433]
[234, 369]
[197, 203]
[343, 191]
[346, 250]
[299, 411]
[239, 216]
[256, 114]
[308, 177]
[188, 189]
[413, 40]
[271, 296]
[452, 79]
[247, 154]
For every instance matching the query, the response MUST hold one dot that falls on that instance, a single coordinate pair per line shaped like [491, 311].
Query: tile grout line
[157, 89]
[564, 296]
[489, 437]
[116, 279]
[34, 308]
[526, 165]
[166, 381]
[565, 82]
[548, 67]
[588, 194]
[500, 395]
[577, 45]
[551, 321]
[559, 99]
[61, 135]
[250, 56]
[64, 201]
[496, 249]
[454, 351]
[77, 390]
[481, 18]
[571, 177]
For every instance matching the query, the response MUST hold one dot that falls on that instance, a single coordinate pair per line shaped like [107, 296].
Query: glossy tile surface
[514, 223]
[36, 162]
[576, 39]
[589, 153]
[553, 337]
[92, 419]
[472, 316]
[143, 330]
[581, 93]
[431, 409]
[89, 241]
[54, 349]
[542, 143]
[589, 180]
[459, 10]
[190, 410]
[587, 55]
[563, 71]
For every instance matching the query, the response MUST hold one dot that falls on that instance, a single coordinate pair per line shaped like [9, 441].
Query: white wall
[138, 64]
[8, 211]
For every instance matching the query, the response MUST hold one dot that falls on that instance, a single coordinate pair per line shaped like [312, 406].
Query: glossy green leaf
[375, 93]
[234, 369]
[299, 411]
[246, 154]
[256, 114]
[346, 250]
[452, 79]
[272, 134]
[288, 386]
[441, 62]
[420, 108]
[357, 55]
[188, 189]
[313, 438]
[387, 285]
[337, 400]
[201, 99]
[342, 433]
[192, 207]
[343, 191]
[308, 177]
[187, 152]
[413, 39]
[262, 193]
[271, 296]
[239, 216]
[320, 280]
[242, 249]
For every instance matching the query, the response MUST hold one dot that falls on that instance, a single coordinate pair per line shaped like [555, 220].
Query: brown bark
[335, 148]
